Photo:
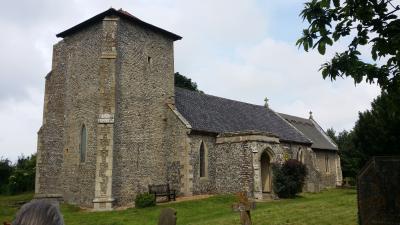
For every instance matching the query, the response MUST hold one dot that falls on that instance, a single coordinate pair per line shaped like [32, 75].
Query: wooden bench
[162, 190]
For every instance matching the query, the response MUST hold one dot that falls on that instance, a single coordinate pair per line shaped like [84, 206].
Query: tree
[377, 131]
[366, 22]
[185, 82]
[5, 171]
[332, 134]
[22, 178]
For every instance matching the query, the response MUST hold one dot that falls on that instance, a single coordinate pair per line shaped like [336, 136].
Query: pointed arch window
[202, 160]
[300, 156]
[327, 163]
[83, 144]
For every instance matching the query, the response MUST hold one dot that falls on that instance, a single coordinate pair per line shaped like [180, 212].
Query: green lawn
[336, 206]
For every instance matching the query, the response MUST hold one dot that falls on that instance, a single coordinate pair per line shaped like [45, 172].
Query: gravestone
[244, 206]
[378, 192]
[167, 217]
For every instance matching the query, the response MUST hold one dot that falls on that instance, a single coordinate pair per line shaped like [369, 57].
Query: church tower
[102, 138]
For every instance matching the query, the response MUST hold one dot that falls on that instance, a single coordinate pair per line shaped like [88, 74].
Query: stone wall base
[103, 204]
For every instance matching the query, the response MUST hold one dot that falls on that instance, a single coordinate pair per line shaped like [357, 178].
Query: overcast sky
[243, 50]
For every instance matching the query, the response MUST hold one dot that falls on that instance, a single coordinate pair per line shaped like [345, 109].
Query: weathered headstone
[167, 217]
[378, 187]
[244, 206]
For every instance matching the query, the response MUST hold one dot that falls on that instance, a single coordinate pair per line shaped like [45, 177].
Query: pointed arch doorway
[266, 172]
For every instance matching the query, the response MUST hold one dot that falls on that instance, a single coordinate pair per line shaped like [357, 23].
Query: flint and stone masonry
[113, 123]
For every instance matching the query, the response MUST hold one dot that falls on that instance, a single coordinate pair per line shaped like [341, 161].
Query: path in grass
[337, 206]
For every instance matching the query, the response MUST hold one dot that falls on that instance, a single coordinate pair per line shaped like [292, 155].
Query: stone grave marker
[167, 217]
[244, 206]
[378, 192]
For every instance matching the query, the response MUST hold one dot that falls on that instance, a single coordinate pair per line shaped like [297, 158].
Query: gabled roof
[313, 131]
[120, 13]
[213, 114]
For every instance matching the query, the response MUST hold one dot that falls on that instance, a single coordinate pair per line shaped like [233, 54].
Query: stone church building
[113, 123]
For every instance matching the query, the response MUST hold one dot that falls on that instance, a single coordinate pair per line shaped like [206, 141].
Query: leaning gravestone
[167, 217]
[378, 188]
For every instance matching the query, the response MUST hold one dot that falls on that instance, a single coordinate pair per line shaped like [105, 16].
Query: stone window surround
[205, 177]
[80, 143]
[300, 155]
[327, 167]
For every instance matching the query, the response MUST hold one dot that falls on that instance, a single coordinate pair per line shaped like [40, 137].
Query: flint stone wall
[71, 101]
[144, 84]
[203, 185]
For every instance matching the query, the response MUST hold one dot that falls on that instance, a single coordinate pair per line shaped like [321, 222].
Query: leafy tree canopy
[366, 22]
[376, 132]
[185, 82]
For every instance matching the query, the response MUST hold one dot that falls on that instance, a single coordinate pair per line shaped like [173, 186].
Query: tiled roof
[219, 115]
[311, 130]
[121, 13]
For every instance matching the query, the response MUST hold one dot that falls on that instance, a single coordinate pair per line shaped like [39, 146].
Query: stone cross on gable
[244, 206]
[266, 105]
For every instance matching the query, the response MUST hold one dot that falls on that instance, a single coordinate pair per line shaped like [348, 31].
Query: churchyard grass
[335, 206]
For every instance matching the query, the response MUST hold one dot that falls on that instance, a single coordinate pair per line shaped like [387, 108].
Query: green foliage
[367, 22]
[5, 172]
[377, 131]
[18, 178]
[288, 179]
[185, 82]
[145, 200]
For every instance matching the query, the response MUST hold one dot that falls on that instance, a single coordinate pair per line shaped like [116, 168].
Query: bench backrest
[160, 188]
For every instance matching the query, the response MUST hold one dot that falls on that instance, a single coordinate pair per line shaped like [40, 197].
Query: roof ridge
[284, 114]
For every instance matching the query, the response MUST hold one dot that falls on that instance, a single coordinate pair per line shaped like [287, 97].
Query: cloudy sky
[238, 49]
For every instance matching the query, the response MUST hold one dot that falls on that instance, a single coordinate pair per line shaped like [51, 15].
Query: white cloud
[21, 120]
[291, 80]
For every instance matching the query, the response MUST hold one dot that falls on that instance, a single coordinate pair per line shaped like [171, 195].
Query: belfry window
[202, 160]
[83, 144]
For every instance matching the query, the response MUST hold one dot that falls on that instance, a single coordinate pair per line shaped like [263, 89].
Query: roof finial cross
[266, 103]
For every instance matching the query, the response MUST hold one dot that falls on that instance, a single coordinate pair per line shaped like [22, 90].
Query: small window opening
[83, 144]
[149, 60]
[202, 161]
[326, 163]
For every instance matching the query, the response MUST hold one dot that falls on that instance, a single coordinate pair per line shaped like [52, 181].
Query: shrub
[145, 200]
[19, 177]
[6, 169]
[288, 179]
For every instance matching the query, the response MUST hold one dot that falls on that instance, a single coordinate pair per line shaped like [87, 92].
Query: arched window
[326, 163]
[82, 146]
[202, 160]
[300, 156]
